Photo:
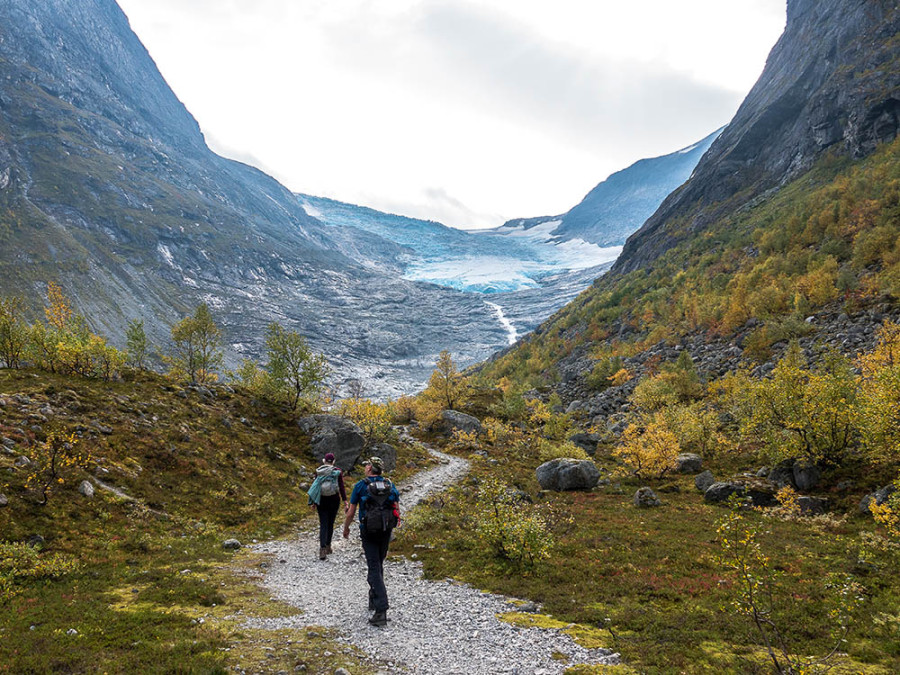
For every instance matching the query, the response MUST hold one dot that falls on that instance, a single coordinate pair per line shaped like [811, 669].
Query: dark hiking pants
[327, 509]
[375, 547]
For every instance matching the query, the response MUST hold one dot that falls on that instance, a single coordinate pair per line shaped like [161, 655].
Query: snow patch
[166, 254]
[511, 334]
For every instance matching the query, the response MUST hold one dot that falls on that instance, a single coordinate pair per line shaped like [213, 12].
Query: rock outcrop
[561, 475]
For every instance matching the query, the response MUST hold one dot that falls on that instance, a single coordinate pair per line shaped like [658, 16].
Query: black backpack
[380, 516]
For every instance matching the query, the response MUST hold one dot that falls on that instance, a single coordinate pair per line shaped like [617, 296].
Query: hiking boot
[379, 619]
[328, 550]
[322, 553]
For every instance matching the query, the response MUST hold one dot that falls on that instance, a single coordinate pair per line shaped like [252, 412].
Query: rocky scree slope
[831, 84]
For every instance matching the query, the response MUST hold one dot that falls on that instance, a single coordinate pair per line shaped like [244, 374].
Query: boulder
[4, 501]
[22, 462]
[454, 420]
[783, 474]
[338, 435]
[585, 441]
[761, 492]
[567, 474]
[812, 506]
[704, 480]
[806, 475]
[86, 489]
[387, 452]
[645, 498]
[721, 491]
[36, 541]
[880, 496]
[231, 544]
[688, 462]
[573, 407]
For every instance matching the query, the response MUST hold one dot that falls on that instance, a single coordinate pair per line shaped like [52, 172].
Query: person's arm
[351, 511]
[342, 489]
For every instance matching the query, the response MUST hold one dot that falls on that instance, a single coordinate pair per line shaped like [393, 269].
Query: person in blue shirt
[376, 536]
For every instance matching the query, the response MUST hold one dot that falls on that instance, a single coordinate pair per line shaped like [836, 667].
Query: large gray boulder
[783, 474]
[806, 475]
[704, 480]
[457, 421]
[567, 474]
[721, 491]
[760, 492]
[688, 462]
[338, 435]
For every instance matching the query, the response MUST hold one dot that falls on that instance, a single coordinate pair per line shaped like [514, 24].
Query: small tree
[445, 384]
[649, 447]
[197, 346]
[136, 343]
[13, 333]
[294, 369]
[55, 461]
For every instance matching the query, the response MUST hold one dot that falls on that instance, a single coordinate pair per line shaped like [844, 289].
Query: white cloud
[513, 107]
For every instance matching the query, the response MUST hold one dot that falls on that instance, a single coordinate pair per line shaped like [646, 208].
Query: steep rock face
[831, 83]
[619, 205]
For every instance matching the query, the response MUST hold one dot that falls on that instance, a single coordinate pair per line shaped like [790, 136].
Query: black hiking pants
[328, 508]
[375, 547]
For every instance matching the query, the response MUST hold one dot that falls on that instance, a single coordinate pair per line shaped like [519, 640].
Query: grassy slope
[200, 470]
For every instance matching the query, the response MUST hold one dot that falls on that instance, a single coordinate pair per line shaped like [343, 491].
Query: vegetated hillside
[108, 188]
[831, 85]
[135, 578]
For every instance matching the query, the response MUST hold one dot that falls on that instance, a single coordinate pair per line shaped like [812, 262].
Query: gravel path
[440, 627]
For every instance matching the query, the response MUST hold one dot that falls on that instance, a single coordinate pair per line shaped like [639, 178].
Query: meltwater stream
[511, 334]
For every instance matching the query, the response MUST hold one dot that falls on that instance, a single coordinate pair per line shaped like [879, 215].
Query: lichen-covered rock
[721, 491]
[879, 497]
[688, 462]
[646, 498]
[567, 474]
[231, 544]
[86, 489]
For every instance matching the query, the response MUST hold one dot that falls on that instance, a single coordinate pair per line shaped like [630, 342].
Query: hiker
[325, 495]
[378, 502]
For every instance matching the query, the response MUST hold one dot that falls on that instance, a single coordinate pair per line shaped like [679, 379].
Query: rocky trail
[439, 627]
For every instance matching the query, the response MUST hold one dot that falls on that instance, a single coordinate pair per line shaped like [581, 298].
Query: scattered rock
[457, 421]
[704, 480]
[4, 501]
[783, 474]
[880, 496]
[102, 428]
[71, 631]
[36, 541]
[86, 488]
[688, 462]
[342, 671]
[567, 474]
[646, 498]
[22, 462]
[812, 506]
[574, 406]
[721, 491]
[231, 544]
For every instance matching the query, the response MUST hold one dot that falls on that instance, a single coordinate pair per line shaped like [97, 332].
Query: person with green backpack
[325, 495]
[379, 514]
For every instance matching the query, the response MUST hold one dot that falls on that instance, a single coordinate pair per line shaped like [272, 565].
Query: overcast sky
[469, 113]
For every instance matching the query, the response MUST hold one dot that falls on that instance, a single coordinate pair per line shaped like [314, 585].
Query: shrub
[13, 332]
[373, 418]
[20, 563]
[512, 530]
[649, 448]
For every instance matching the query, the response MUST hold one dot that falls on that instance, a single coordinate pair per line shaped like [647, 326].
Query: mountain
[831, 85]
[108, 188]
[620, 204]
[786, 229]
